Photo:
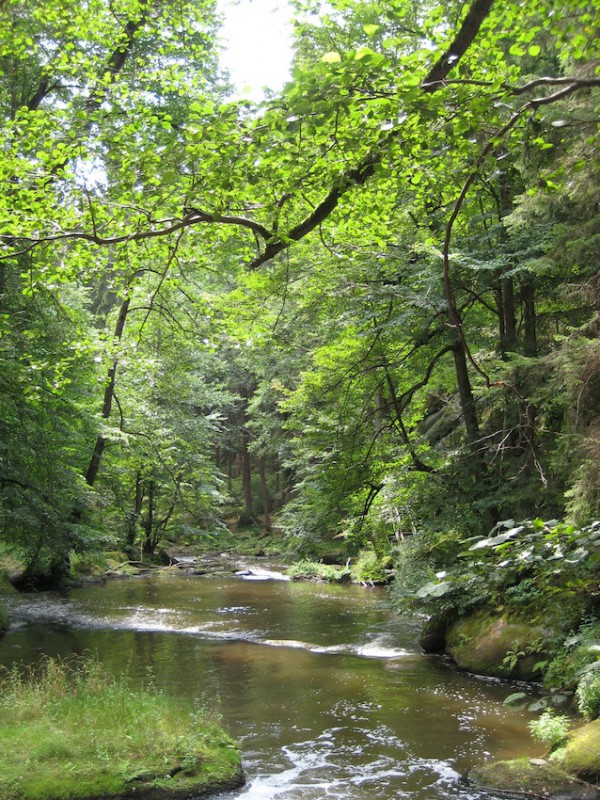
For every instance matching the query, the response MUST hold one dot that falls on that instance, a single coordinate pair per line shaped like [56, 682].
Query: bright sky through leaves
[257, 36]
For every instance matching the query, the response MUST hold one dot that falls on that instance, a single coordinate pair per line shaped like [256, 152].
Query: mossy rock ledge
[570, 773]
[497, 644]
[175, 784]
[533, 778]
[581, 754]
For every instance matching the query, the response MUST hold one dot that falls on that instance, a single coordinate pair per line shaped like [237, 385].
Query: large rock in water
[499, 645]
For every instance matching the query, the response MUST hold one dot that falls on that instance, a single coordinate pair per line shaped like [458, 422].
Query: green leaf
[370, 29]
[332, 57]
[364, 52]
[433, 589]
[492, 541]
[514, 699]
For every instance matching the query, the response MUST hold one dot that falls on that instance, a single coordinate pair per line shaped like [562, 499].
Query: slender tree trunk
[510, 317]
[418, 464]
[379, 415]
[465, 393]
[109, 393]
[2, 283]
[149, 521]
[135, 516]
[246, 473]
[501, 319]
[265, 494]
[529, 316]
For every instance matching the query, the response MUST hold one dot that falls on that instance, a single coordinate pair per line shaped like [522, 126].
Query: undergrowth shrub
[550, 729]
[529, 567]
[370, 568]
[588, 692]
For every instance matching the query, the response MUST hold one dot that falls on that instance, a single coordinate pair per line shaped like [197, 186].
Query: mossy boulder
[581, 754]
[433, 634]
[496, 644]
[5, 588]
[534, 777]
[4, 621]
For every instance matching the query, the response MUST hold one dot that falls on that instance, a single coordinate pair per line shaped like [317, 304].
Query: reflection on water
[327, 692]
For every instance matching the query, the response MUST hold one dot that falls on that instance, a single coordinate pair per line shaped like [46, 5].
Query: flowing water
[325, 689]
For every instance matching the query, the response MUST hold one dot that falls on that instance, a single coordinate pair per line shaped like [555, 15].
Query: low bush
[315, 570]
[550, 729]
[370, 568]
[588, 692]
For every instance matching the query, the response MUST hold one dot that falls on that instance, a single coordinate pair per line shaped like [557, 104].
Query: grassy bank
[366, 568]
[71, 731]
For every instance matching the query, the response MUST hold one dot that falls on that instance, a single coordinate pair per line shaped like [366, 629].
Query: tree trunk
[529, 317]
[465, 393]
[399, 422]
[109, 393]
[149, 543]
[265, 495]
[379, 414]
[2, 283]
[246, 474]
[134, 517]
[510, 320]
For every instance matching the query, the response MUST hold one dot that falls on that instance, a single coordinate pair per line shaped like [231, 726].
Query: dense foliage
[523, 567]
[365, 308]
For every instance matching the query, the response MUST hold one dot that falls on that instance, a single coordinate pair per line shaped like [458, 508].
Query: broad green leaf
[370, 29]
[332, 57]
[514, 699]
[492, 541]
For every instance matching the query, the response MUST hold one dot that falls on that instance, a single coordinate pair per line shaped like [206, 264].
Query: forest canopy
[365, 307]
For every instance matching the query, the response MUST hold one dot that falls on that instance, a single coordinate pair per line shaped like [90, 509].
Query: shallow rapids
[327, 691]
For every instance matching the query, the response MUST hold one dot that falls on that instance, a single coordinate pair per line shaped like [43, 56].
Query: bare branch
[462, 41]
[573, 83]
[195, 215]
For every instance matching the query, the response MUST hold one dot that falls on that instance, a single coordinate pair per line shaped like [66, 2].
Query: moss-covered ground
[72, 732]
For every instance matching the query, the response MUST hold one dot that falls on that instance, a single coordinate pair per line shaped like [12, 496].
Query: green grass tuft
[70, 731]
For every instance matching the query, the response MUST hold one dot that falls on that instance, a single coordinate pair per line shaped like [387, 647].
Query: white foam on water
[258, 574]
[377, 650]
[370, 650]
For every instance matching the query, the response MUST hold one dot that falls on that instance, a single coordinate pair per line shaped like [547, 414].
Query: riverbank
[262, 565]
[71, 730]
[323, 687]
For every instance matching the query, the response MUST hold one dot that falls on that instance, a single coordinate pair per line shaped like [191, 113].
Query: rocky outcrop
[490, 644]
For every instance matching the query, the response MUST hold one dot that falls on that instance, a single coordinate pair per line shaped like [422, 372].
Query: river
[326, 690]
